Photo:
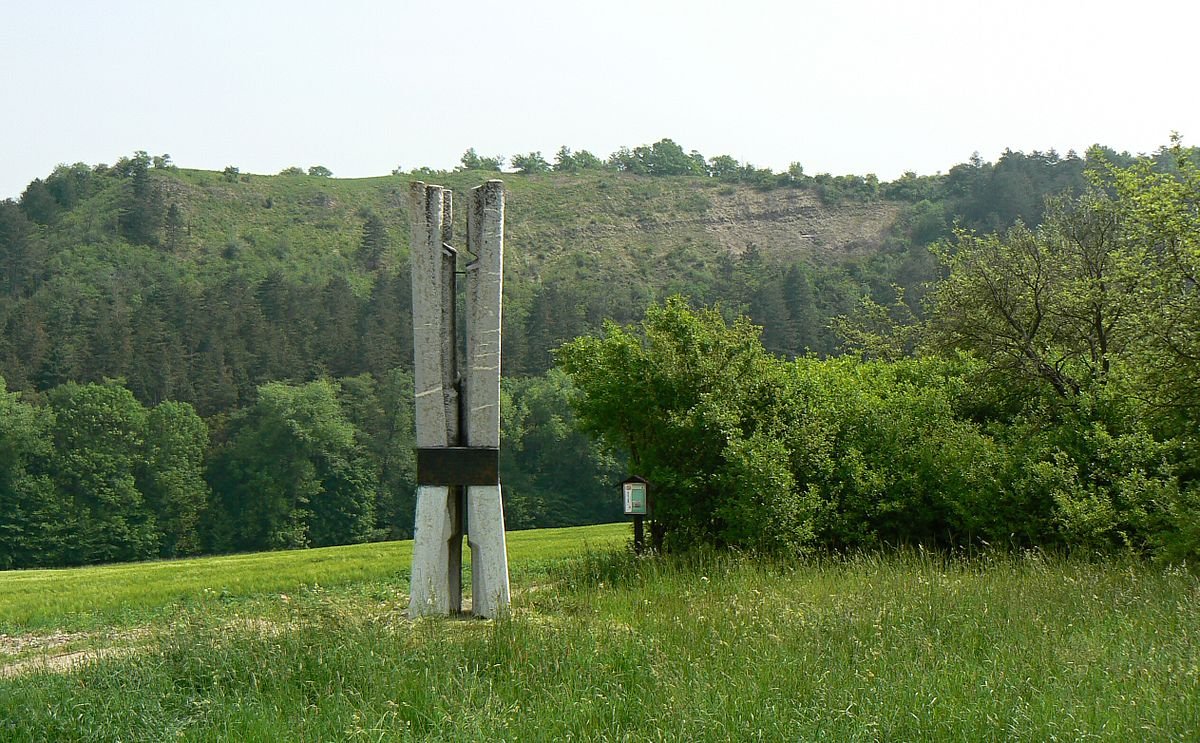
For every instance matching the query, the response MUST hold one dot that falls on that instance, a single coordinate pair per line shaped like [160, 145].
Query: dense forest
[200, 361]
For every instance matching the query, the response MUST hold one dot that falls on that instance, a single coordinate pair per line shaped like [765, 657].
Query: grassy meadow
[125, 594]
[601, 645]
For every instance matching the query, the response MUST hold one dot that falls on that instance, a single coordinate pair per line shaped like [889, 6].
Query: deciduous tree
[98, 432]
[292, 474]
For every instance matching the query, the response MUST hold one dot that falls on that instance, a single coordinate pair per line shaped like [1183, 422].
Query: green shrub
[746, 450]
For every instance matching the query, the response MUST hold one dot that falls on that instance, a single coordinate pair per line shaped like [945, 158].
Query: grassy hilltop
[555, 222]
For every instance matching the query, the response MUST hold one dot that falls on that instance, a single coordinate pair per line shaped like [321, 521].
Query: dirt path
[61, 662]
[60, 652]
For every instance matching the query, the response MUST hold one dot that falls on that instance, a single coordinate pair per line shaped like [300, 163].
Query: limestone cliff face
[791, 223]
[617, 219]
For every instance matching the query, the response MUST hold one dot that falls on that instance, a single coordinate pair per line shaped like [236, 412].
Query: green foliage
[912, 187]
[729, 170]
[664, 157]
[22, 252]
[566, 161]
[743, 449]
[690, 398]
[874, 331]
[988, 197]
[171, 475]
[39, 203]
[141, 211]
[530, 164]
[382, 413]
[924, 222]
[375, 242]
[1091, 319]
[235, 295]
[842, 188]
[1047, 306]
[882, 447]
[763, 507]
[552, 473]
[471, 161]
[31, 511]
[1163, 245]
[99, 431]
[320, 171]
[292, 474]
[242, 280]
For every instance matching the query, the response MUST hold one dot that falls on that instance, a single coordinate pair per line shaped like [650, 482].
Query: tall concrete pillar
[485, 508]
[457, 408]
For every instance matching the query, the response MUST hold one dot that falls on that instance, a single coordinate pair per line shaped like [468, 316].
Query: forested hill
[199, 286]
[211, 361]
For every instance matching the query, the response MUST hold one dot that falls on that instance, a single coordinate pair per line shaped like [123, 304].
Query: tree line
[976, 191]
[89, 474]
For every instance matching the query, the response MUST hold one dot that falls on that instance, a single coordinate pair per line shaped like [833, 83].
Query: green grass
[87, 598]
[605, 646]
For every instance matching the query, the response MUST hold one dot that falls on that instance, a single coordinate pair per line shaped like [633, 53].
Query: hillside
[634, 222]
[110, 266]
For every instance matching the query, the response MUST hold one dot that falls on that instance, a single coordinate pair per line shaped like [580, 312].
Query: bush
[745, 450]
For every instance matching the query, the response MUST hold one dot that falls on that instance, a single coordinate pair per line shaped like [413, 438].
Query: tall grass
[607, 646]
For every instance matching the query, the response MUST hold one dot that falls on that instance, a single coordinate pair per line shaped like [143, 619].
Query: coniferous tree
[22, 252]
[175, 228]
[39, 203]
[374, 243]
[141, 211]
[386, 324]
[337, 343]
[382, 412]
[530, 164]
[555, 316]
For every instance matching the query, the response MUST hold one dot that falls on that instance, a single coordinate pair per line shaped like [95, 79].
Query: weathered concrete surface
[485, 507]
[435, 425]
[485, 280]
[436, 582]
[437, 546]
[489, 558]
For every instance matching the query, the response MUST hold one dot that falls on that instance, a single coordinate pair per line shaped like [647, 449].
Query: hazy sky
[841, 86]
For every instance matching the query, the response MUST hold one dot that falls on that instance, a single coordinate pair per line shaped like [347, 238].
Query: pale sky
[361, 87]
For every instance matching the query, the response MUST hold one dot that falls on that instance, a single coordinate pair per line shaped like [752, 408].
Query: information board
[635, 498]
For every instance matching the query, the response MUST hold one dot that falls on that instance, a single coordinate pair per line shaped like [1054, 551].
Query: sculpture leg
[436, 583]
[489, 558]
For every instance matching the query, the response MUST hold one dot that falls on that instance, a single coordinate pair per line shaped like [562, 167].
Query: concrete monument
[457, 405]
